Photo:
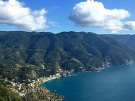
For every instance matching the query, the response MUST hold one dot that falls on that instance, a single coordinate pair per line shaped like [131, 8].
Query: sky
[98, 16]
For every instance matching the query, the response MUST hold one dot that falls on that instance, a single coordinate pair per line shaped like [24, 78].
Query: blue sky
[58, 12]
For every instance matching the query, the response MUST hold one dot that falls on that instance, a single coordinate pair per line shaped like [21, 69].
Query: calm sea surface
[115, 83]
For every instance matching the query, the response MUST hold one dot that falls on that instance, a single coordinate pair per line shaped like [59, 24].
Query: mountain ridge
[41, 54]
[29, 56]
[125, 39]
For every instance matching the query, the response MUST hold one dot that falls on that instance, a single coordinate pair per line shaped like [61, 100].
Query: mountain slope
[40, 54]
[128, 40]
[7, 95]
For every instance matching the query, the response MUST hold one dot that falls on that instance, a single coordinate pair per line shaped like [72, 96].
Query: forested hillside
[27, 56]
[40, 54]
[128, 40]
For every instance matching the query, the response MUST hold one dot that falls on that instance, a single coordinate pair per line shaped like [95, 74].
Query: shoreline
[42, 80]
[71, 73]
[46, 79]
[53, 77]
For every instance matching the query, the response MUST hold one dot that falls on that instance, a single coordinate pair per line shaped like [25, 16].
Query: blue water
[115, 83]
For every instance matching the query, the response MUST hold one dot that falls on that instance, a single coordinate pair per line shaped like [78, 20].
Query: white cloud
[55, 24]
[13, 12]
[93, 14]
[113, 26]
[130, 25]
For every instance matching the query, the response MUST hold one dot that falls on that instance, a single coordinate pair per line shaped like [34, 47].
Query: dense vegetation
[37, 94]
[29, 55]
[41, 94]
[26, 56]
[128, 40]
[7, 95]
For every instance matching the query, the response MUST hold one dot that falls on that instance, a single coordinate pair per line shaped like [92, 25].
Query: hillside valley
[42, 53]
[28, 56]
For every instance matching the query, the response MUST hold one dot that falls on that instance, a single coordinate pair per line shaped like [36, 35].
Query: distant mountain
[40, 54]
[128, 40]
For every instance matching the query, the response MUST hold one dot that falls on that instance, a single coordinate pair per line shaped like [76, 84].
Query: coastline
[58, 76]
[52, 77]
[60, 85]
[40, 81]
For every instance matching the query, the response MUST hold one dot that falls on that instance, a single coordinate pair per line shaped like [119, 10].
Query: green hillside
[29, 55]
[127, 40]
[7, 95]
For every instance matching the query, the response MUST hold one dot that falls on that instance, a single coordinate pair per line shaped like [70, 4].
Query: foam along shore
[52, 77]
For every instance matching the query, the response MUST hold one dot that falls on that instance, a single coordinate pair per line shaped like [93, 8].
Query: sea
[115, 83]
